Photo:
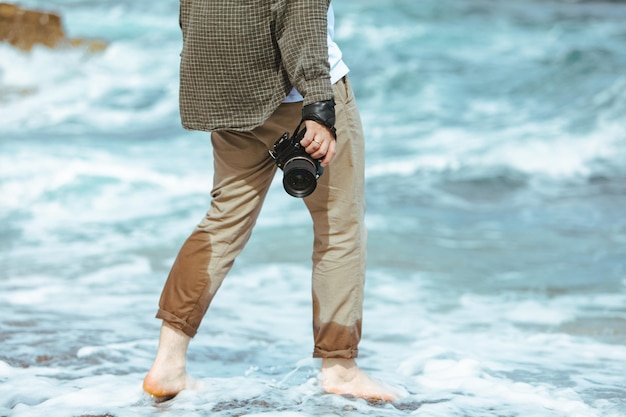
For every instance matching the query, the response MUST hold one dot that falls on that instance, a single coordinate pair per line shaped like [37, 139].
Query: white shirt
[338, 69]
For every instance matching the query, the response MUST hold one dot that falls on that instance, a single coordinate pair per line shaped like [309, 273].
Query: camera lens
[300, 177]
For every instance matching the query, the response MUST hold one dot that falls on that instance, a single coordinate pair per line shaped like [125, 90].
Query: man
[249, 72]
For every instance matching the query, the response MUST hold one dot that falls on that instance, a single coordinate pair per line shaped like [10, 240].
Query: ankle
[338, 368]
[172, 350]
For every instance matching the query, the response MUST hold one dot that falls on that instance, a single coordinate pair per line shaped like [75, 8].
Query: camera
[301, 171]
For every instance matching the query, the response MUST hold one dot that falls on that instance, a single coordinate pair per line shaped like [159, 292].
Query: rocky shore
[25, 28]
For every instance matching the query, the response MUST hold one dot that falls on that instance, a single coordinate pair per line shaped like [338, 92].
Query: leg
[337, 208]
[243, 174]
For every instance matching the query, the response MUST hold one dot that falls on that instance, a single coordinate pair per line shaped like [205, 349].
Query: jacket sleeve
[301, 31]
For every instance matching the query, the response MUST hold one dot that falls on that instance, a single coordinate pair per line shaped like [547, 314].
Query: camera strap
[298, 131]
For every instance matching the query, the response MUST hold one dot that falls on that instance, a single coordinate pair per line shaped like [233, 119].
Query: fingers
[319, 142]
[317, 147]
[330, 153]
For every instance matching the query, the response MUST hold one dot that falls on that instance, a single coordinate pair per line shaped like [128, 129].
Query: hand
[319, 142]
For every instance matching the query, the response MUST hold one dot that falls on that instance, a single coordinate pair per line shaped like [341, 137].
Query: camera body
[301, 171]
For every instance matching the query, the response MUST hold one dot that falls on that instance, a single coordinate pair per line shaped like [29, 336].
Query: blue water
[496, 187]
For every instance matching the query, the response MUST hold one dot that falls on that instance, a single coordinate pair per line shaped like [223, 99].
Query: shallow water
[496, 188]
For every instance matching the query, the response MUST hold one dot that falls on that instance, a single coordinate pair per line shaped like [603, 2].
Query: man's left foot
[344, 377]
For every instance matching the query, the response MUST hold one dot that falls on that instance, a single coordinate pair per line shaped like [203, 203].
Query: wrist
[322, 112]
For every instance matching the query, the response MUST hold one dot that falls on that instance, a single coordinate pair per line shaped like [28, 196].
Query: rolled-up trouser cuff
[176, 323]
[337, 354]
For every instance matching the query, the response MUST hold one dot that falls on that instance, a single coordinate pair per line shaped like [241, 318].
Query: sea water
[496, 192]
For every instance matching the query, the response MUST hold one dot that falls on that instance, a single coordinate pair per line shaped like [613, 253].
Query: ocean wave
[532, 150]
[133, 82]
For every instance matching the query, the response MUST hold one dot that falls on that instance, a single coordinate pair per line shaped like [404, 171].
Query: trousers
[243, 172]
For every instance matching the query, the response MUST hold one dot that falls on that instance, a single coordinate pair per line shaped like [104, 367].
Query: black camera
[301, 171]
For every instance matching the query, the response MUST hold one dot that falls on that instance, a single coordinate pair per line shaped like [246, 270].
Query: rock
[92, 45]
[24, 29]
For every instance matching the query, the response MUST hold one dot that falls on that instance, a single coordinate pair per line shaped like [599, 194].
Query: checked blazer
[240, 59]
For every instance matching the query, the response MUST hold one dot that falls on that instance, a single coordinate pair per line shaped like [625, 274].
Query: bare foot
[164, 384]
[168, 376]
[343, 376]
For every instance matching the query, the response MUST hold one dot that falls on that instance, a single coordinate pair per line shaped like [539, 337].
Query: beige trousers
[243, 174]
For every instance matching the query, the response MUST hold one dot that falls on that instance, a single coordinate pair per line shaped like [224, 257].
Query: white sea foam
[26, 183]
[111, 90]
[525, 150]
[467, 358]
